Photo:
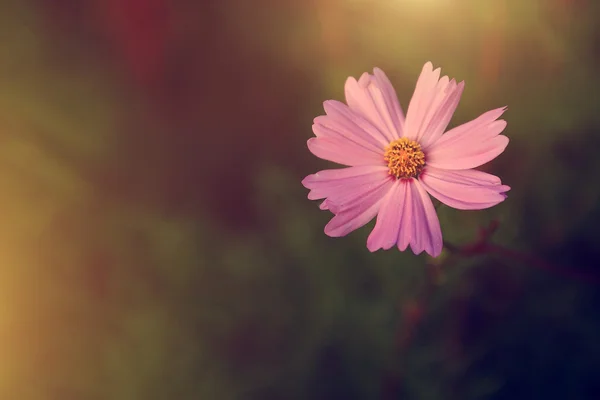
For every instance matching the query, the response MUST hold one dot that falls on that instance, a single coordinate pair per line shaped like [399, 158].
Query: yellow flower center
[405, 158]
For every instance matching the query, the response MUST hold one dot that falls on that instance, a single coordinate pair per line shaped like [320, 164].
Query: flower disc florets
[405, 158]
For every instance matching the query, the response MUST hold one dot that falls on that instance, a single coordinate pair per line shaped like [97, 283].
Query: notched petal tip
[331, 232]
[364, 80]
[435, 253]
[324, 205]
[372, 247]
[502, 190]
[500, 122]
[415, 249]
[503, 143]
[308, 180]
[349, 81]
[428, 74]
[328, 105]
[383, 80]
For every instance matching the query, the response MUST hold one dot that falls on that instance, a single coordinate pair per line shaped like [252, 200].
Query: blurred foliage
[157, 243]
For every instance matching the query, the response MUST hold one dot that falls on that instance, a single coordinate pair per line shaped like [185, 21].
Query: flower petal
[471, 144]
[325, 127]
[341, 116]
[405, 233]
[348, 197]
[464, 189]
[385, 234]
[374, 97]
[441, 112]
[342, 152]
[432, 106]
[345, 137]
[420, 99]
[337, 183]
[358, 211]
[420, 225]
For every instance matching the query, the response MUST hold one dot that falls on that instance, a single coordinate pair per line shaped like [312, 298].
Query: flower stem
[413, 311]
[483, 246]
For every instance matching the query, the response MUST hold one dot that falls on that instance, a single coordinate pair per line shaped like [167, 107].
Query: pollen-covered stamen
[405, 158]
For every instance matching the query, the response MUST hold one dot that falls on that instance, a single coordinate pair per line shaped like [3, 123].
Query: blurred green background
[156, 242]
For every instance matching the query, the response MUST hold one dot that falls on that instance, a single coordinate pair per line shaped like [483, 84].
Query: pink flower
[394, 162]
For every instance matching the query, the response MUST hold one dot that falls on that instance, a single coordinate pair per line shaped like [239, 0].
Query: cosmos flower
[395, 163]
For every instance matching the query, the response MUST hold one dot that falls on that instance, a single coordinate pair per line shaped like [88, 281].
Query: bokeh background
[156, 242]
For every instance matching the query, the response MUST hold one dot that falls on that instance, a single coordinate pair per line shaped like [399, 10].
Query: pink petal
[465, 189]
[341, 117]
[385, 234]
[406, 223]
[441, 112]
[432, 106]
[426, 216]
[420, 225]
[417, 106]
[345, 137]
[338, 183]
[374, 97]
[348, 197]
[342, 152]
[357, 212]
[391, 99]
[335, 128]
[471, 144]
